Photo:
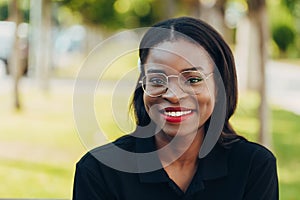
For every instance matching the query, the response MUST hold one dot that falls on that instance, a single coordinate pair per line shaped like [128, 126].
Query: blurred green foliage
[118, 14]
[284, 36]
[284, 28]
[293, 6]
[114, 14]
[3, 11]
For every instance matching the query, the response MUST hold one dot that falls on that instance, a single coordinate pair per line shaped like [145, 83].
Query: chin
[180, 131]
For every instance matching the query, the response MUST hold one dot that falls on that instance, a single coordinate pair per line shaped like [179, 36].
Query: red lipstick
[176, 114]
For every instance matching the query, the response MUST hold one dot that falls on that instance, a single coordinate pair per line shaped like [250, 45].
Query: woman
[184, 146]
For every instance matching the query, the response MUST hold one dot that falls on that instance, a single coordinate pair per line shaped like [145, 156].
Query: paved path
[283, 85]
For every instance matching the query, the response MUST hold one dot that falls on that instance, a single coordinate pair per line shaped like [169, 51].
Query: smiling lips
[176, 114]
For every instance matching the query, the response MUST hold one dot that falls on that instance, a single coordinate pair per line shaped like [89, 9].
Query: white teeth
[177, 113]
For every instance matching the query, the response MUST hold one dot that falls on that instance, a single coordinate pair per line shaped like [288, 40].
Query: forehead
[179, 55]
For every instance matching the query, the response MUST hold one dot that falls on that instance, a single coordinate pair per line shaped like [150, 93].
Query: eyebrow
[198, 68]
[155, 71]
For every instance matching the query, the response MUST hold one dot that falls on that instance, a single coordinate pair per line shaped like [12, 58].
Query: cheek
[211, 88]
[152, 107]
[148, 102]
[211, 93]
[206, 102]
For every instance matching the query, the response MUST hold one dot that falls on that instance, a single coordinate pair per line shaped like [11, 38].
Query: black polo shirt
[244, 171]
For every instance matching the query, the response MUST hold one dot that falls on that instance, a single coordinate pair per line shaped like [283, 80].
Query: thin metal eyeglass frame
[206, 76]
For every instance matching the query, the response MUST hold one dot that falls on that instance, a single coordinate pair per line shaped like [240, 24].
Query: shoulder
[96, 172]
[95, 157]
[251, 155]
[256, 165]
[252, 149]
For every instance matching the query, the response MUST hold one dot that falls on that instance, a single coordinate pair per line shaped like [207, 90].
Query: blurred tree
[284, 36]
[258, 16]
[15, 64]
[293, 6]
[114, 14]
[40, 44]
[213, 11]
[193, 7]
[3, 11]
[100, 16]
[165, 10]
[24, 12]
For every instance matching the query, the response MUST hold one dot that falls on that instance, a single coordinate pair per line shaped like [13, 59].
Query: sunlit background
[44, 44]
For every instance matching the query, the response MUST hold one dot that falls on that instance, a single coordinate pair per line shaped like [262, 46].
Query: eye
[156, 81]
[193, 80]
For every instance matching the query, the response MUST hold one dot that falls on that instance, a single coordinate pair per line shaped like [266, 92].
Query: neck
[180, 150]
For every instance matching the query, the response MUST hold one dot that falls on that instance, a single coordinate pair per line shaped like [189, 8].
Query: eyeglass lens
[156, 84]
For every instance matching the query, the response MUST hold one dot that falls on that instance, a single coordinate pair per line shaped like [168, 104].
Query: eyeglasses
[191, 82]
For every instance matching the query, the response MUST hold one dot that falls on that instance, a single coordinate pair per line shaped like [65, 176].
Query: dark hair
[206, 36]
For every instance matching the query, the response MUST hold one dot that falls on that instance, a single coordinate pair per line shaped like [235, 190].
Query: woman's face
[176, 111]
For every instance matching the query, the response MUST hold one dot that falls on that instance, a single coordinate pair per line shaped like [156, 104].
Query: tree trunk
[168, 9]
[193, 7]
[46, 43]
[14, 61]
[94, 35]
[258, 15]
[214, 14]
[40, 47]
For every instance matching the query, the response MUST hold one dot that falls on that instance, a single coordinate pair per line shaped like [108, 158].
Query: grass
[286, 130]
[39, 145]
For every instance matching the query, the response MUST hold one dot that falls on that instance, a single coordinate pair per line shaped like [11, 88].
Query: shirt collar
[146, 145]
[213, 166]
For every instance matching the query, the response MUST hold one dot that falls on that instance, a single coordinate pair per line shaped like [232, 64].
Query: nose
[174, 93]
